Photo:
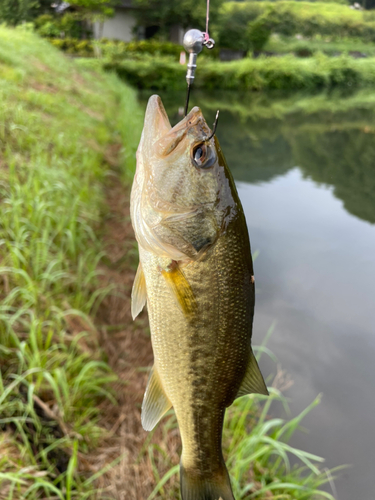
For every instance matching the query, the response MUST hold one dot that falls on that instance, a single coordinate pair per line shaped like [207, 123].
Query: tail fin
[215, 487]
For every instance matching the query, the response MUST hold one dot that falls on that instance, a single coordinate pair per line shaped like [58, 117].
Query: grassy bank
[285, 73]
[63, 128]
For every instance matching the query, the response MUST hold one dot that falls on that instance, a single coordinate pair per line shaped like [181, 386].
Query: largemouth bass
[196, 275]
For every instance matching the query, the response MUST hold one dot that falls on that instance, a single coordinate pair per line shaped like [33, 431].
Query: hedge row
[116, 49]
[74, 46]
[290, 18]
[286, 73]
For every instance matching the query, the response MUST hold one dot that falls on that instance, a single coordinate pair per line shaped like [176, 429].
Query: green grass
[304, 48]
[58, 123]
[329, 10]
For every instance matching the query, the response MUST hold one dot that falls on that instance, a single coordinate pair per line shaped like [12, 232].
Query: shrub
[47, 26]
[290, 18]
[154, 47]
[150, 73]
[306, 48]
[286, 73]
[121, 49]
[73, 46]
[231, 27]
[69, 25]
[117, 50]
[303, 50]
[259, 32]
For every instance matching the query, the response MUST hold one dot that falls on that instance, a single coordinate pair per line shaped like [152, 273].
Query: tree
[166, 13]
[14, 12]
[91, 8]
[258, 32]
[232, 24]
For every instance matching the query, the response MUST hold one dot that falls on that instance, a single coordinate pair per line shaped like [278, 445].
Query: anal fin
[180, 288]
[139, 295]
[155, 402]
[253, 382]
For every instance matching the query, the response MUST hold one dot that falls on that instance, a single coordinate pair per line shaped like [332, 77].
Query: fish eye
[203, 156]
[198, 154]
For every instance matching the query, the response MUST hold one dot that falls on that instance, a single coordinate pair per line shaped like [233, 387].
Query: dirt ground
[128, 347]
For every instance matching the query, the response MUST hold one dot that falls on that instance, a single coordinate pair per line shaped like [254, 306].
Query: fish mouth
[193, 126]
[196, 123]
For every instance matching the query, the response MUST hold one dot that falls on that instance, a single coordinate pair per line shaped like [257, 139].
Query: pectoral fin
[253, 382]
[180, 288]
[155, 402]
[139, 295]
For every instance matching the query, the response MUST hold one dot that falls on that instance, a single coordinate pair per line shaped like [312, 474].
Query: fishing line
[187, 100]
[206, 35]
[193, 44]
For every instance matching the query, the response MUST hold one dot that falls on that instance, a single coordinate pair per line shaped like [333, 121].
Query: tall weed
[59, 123]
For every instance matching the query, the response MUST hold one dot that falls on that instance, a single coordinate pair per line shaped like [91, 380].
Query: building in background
[122, 26]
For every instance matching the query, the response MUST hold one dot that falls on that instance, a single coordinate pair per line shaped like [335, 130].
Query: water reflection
[343, 157]
[314, 276]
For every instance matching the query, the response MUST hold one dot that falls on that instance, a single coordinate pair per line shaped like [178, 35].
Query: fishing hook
[215, 125]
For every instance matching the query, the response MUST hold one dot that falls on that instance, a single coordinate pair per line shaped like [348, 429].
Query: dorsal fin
[155, 402]
[139, 294]
[253, 382]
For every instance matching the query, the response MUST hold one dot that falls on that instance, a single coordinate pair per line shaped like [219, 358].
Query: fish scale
[183, 347]
[198, 282]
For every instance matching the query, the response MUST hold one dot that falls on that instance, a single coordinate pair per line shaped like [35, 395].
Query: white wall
[120, 26]
[176, 34]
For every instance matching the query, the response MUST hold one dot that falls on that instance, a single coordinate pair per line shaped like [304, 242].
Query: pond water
[305, 173]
